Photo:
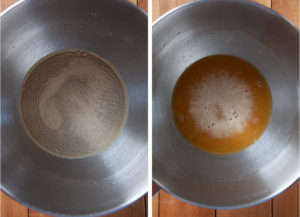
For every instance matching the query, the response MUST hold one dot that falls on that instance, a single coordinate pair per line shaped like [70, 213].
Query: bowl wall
[259, 36]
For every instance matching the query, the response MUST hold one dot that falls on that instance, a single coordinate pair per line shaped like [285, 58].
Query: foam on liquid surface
[221, 104]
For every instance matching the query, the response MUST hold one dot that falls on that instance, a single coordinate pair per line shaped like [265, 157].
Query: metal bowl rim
[266, 10]
[11, 7]
[245, 2]
[28, 205]
[240, 206]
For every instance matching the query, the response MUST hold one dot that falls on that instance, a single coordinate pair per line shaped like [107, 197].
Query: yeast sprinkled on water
[221, 104]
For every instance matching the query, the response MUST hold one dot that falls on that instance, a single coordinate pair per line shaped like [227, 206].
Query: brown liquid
[221, 104]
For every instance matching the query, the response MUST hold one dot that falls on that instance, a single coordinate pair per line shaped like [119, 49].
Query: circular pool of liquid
[221, 104]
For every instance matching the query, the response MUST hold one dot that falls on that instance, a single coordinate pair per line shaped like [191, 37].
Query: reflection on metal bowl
[102, 183]
[266, 40]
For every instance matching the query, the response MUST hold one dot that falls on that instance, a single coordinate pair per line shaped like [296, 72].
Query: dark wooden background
[284, 205]
[10, 208]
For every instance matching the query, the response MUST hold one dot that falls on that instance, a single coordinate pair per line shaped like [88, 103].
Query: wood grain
[262, 210]
[133, 1]
[11, 208]
[155, 188]
[137, 209]
[155, 205]
[143, 4]
[6, 3]
[146, 204]
[159, 7]
[169, 206]
[33, 213]
[267, 3]
[287, 203]
[288, 8]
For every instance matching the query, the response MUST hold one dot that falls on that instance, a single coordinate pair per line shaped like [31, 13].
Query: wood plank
[143, 4]
[133, 1]
[146, 204]
[155, 205]
[11, 208]
[262, 210]
[267, 3]
[165, 6]
[6, 3]
[155, 188]
[33, 213]
[287, 203]
[159, 7]
[170, 206]
[137, 209]
[288, 8]
[155, 10]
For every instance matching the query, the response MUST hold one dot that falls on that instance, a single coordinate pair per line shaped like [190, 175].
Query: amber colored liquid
[250, 104]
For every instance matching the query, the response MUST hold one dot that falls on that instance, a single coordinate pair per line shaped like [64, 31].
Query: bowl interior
[114, 30]
[255, 34]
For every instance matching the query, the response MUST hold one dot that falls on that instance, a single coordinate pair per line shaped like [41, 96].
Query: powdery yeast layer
[73, 103]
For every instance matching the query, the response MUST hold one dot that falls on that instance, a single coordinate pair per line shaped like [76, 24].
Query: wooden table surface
[285, 204]
[10, 208]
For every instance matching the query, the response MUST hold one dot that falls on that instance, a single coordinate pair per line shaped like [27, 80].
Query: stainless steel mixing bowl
[115, 30]
[269, 42]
